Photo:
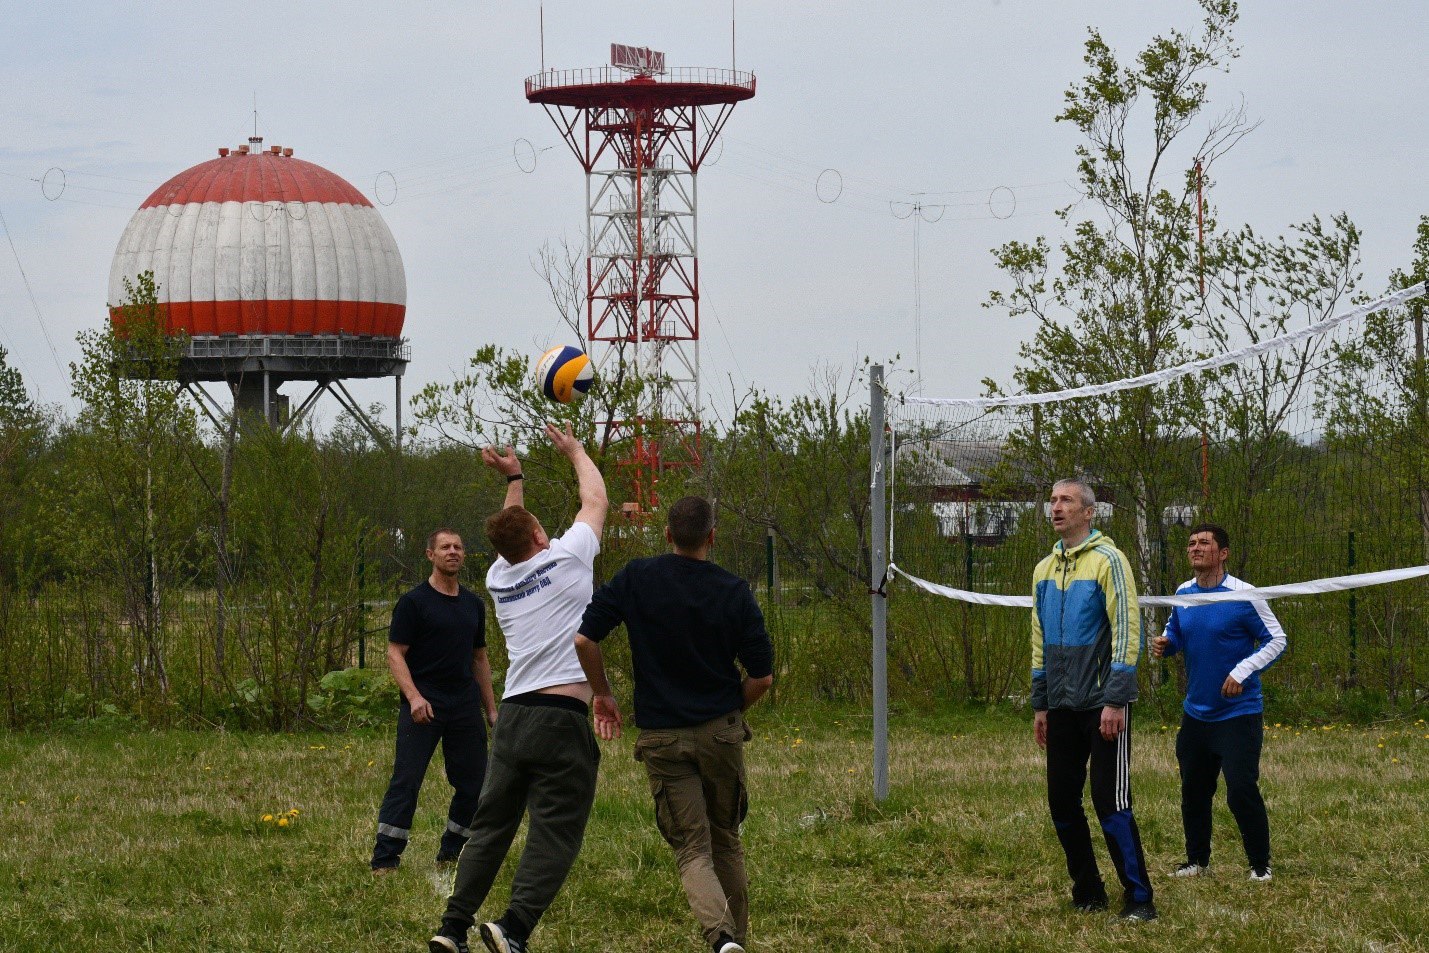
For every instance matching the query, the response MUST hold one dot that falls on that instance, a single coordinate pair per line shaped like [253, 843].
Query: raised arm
[508, 466]
[594, 502]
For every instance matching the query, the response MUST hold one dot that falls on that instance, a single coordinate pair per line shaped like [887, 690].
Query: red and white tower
[641, 132]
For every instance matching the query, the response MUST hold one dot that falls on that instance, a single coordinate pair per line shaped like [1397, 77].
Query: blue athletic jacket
[1239, 639]
[1086, 627]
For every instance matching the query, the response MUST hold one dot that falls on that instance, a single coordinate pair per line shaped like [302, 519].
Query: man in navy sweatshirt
[1225, 645]
[692, 627]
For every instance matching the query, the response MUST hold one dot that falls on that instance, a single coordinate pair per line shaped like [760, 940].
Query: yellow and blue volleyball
[564, 374]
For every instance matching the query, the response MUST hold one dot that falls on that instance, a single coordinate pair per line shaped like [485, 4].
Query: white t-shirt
[539, 604]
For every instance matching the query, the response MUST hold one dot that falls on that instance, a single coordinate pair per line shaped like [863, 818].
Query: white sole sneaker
[1190, 870]
[731, 947]
[495, 939]
[1258, 876]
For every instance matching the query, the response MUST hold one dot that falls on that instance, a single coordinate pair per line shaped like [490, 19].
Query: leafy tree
[798, 470]
[1146, 280]
[24, 428]
[136, 501]
[1257, 288]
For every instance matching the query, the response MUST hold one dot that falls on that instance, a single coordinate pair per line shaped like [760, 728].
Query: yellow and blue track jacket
[1086, 627]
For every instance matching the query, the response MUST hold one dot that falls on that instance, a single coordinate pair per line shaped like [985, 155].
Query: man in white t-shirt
[543, 753]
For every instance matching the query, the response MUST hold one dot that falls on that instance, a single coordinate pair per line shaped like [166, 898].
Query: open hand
[505, 463]
[607, 717]
[565, 440]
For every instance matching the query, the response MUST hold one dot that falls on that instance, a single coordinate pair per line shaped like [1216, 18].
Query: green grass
[154, 841]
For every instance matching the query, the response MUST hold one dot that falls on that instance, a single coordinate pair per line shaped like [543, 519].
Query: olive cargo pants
[697, 781]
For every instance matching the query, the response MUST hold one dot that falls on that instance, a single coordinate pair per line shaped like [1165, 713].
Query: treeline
[160, 564]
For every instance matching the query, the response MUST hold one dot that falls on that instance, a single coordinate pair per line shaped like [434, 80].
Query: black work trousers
[1205, 750]
[459, 725]
[544, 762]
[1073, 740]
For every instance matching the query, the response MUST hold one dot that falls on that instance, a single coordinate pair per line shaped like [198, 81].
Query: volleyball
[564, 374]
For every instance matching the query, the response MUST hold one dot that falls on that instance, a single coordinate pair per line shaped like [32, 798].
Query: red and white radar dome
[261, 243]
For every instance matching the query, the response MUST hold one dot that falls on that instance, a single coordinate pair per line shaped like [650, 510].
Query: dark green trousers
[543, 763]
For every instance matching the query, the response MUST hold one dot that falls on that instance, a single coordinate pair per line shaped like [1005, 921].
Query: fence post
[361, 603]
[769, 559]
[1354, 621]
[878, 567]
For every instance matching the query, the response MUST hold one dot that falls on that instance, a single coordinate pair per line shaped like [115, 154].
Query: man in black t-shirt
[691, 625]
[436, 650]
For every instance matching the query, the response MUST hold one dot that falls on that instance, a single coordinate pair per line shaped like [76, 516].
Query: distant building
[956, 475]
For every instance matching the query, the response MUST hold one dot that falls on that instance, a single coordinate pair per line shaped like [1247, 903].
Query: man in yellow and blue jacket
[1086, 639]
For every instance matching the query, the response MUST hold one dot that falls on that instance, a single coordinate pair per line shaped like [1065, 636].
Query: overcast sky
[954, 99]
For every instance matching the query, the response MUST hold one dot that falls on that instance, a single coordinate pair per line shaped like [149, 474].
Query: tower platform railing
[609, 75]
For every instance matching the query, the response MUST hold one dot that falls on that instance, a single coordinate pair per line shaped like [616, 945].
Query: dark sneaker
[1191, 870]
[441, 943]
[726, 944]
[1090, 906]
[1260, 873]
[497, 940]
[1135, 912]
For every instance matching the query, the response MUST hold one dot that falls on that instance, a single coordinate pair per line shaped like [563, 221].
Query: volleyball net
[1310, 446]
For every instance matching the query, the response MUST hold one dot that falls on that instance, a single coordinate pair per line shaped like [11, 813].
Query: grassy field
[157, 841]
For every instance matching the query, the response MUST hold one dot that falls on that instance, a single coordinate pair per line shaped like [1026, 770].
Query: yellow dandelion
[282, 822]
[293, 812]
[1393, 760]
[371, 763]
[1380, 745]
[267, 818]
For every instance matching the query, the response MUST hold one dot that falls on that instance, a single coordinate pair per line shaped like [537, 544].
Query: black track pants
[1207, 749]
[1073, 740]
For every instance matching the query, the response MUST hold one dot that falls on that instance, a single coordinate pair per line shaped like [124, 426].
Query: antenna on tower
[733, 63]
[543, 37]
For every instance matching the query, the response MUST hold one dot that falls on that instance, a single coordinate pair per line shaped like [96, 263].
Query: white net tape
[1391, 300]
[1261, 594]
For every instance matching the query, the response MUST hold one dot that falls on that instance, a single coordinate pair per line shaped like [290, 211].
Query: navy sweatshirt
[689, 622]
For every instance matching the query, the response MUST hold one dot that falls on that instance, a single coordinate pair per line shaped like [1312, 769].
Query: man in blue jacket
[1226, 645]
[1086, 639]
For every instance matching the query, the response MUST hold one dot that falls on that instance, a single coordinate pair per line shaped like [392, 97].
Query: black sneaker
[1090, 906]
[1135, 912]
[441, 943]
[497, 940]
[1260, 873]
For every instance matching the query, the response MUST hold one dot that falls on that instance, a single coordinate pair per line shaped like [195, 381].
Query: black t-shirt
[689, 621]
[442, 632]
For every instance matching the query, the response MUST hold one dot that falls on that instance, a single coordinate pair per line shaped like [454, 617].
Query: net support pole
[878, 567]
